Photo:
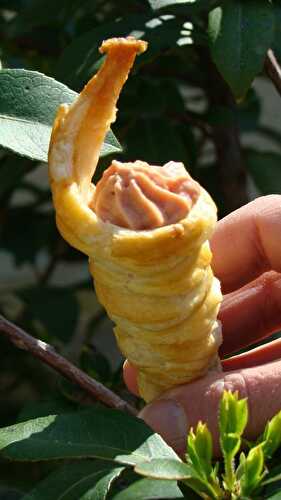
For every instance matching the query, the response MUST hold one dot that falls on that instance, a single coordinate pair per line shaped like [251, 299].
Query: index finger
[247, 243]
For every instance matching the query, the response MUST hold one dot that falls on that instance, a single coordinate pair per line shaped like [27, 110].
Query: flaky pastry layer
[157, 285]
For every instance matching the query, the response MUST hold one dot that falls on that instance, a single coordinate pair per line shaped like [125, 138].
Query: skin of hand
[247, 259]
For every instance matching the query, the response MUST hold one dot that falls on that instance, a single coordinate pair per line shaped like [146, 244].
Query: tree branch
[50, 357]
[273, 70]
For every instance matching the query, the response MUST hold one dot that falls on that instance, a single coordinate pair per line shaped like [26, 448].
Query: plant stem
[50, 357]
[229, 477]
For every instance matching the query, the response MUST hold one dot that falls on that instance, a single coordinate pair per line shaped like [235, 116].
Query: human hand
[247, 259]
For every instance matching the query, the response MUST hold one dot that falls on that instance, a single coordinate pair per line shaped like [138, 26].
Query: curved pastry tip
[130, 42]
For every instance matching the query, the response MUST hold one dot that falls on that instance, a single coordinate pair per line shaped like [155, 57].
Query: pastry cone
[155, 284]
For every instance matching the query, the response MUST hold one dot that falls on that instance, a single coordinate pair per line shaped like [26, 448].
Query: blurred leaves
[26, 232]
[187, 6]
[81, 58]
[240, 35]
[11, 172]
[265, 170]
[41, 13]
[52, 311]
[9, 494]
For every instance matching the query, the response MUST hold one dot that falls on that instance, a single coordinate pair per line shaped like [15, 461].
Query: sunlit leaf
[97, 433]
[240, 35]
[164, 469]
[28, 105]
[148, 489]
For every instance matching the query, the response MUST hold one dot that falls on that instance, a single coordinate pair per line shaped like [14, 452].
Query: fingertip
[130, 377]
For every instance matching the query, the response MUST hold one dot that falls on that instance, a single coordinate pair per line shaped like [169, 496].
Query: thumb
[177, 410]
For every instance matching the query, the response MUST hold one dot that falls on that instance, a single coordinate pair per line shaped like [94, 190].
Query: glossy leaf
[240, 34]
[28, 104]
[86, 480]
[97, 433]
[265, 170]
[164, 469]
[148, 489]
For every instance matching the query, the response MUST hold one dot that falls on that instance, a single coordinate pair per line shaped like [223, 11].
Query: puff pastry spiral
[155, 283]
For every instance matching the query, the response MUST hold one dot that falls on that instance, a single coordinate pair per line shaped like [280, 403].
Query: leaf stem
[230, 477]
[47, 354]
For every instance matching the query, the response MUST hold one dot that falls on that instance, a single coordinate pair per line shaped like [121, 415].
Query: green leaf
[252, 470]
[102, 488]
[81, 58]
[233, 414]
[171, 469]
[86, 480]
[230, 444]
[99, 433]
[271, 439]
[148, 489]
[200, 450]
[54, 310]
[28, 104]
[265, 170]
[164, 469]
[240, 34]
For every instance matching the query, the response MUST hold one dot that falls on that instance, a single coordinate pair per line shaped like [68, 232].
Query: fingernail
[167, 417]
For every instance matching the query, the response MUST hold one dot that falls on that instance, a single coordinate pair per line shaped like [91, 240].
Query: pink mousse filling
[139, 196]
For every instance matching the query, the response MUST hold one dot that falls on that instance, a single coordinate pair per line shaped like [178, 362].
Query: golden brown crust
[137, 46]
[157, 285]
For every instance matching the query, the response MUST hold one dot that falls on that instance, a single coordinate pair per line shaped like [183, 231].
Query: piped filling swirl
[141, 197]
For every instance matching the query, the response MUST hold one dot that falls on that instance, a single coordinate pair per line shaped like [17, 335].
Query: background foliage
[190, 98]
